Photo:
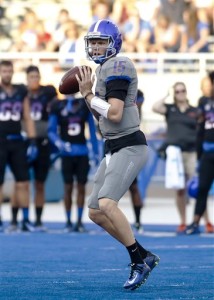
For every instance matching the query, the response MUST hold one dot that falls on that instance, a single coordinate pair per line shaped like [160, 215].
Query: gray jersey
[119, 68]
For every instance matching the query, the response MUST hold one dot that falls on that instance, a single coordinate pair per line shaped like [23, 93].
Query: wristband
[100, 106]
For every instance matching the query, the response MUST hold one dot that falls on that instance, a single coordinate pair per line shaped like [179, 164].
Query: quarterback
[114, 106]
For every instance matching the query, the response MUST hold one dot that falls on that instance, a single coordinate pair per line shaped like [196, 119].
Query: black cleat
[152, 260]
[138, 276]
[68, 227]
[193, 229]
[13, 228]
[27, 226]
[79, 227]
[39, 227]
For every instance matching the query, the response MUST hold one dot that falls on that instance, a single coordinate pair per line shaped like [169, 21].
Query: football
[69, 84]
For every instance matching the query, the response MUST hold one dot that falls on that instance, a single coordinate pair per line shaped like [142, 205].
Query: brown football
[69, 84]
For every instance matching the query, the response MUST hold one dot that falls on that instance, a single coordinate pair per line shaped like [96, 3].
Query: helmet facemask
[91, 49]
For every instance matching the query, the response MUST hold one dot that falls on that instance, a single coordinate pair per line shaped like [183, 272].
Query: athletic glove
[32, 150]
[63, 147]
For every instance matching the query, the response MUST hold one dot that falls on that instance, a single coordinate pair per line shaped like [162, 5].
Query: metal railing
[145, 62]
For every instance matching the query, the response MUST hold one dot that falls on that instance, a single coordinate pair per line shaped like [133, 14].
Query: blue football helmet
[192, 187]
[103, 29]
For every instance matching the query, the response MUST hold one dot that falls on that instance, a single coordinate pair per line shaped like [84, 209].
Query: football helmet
[107, 30]
[192, 187]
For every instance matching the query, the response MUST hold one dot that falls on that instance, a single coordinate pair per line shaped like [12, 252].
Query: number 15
[119, 66]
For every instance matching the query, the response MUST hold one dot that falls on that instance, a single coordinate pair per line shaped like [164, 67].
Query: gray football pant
[113, 181]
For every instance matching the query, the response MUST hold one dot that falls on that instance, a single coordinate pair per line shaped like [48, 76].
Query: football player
[67, 131]
[14, 105]
[113, 104]
[40, 97]
[205, 158]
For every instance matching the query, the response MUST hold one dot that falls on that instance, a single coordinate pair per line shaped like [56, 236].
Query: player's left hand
[32, 151]
[86, 82]
[67, 149]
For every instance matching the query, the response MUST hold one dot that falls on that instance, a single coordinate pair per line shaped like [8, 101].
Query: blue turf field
[60, 266]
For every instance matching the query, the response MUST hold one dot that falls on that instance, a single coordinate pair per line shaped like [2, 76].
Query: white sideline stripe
[192, 246]
[186, 267]
[185, 247]
[110, 270]
[158, 234]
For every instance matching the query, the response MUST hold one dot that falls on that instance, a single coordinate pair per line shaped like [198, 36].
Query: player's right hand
[63, 147]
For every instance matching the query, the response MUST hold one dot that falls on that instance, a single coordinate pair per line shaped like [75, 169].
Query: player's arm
[32, 150]
[62, 147]
[53, 124]
[29, 123]
[53, 131]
